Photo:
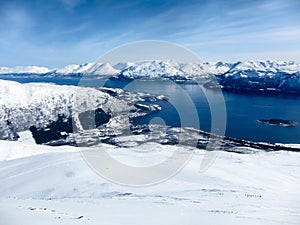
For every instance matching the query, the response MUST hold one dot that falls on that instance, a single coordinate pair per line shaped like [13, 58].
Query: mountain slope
[262, 76]
[89, 68]
[37, 104]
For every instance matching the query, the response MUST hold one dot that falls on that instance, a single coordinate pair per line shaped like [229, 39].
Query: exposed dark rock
[13, 135]
[54, 131]
[60, 129]
[279, 122]
[92, 119]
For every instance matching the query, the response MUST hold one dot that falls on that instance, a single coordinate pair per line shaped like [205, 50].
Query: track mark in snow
[58, 215]
[222, 211]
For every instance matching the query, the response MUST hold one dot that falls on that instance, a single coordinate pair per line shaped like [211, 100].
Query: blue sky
[55, 33]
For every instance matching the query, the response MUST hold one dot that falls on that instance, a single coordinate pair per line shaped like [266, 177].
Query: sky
[56, 33]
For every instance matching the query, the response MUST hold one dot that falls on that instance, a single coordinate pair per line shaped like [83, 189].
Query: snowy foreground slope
[54, 185]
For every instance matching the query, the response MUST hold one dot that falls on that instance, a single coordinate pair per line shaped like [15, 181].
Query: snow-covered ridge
[165, 69]
[36, 104]
[44, 106]
[89, 68]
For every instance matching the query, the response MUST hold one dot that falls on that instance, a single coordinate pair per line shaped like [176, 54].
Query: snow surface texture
[239, 76]
[25, 105]
[54, 185]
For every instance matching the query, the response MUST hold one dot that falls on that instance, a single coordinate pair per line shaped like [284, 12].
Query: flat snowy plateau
[53, 185]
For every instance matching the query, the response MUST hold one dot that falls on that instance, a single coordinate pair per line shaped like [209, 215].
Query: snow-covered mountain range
[238, 76]
[130, 70]
[158, 68]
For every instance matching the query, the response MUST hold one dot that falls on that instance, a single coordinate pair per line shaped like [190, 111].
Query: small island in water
[279, 122]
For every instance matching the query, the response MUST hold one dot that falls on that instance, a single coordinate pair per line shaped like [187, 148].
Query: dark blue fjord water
[186, 100]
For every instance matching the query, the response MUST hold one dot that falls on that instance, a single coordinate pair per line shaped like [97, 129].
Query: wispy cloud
[73, 31]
